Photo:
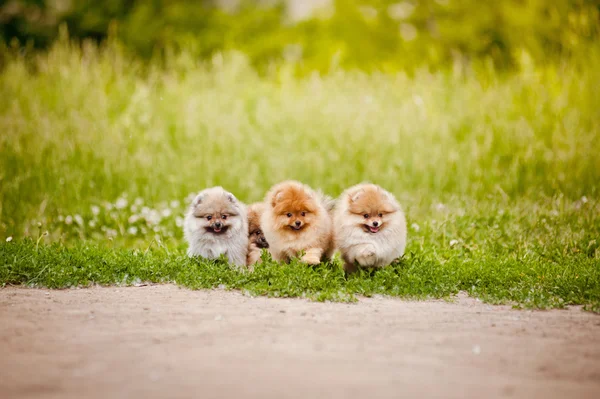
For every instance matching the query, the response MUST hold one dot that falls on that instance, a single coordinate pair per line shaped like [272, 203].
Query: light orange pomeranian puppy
[369, 227]
[256, 237]
[295, 220]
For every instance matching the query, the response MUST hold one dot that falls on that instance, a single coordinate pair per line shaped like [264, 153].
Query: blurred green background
[383, 35]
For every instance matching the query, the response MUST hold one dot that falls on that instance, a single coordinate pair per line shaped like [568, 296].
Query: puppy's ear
[309, 193]
[392, 204]
[198, 200]
[278, 196]
[231, 198]
[354, 196]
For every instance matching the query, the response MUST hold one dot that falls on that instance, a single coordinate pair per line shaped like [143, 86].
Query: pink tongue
[374, 229]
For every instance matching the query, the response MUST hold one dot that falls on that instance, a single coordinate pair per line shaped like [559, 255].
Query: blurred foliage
[366, 34]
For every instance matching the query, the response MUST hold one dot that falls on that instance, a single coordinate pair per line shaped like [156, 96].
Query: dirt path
[162, 341]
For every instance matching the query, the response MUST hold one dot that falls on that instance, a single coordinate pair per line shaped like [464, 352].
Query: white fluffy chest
[210, 246]
[215, 249]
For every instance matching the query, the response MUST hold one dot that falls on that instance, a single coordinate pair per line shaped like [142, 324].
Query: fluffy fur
[369, 227]
[256, 237]
[217, 224]
[295, 220]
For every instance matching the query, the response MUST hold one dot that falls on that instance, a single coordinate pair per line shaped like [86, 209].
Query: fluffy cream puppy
[217, 224]
[295, 219]
[369, 227]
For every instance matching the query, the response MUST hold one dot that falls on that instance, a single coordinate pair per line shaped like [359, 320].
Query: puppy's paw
[311, 259]
[367, 256]
[253, 256]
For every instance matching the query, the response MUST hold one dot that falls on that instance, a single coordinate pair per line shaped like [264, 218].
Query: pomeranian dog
[217, 224]
[256, 237]
[296, 219]
[369, 227]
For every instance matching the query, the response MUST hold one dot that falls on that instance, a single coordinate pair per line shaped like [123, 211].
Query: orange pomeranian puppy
[256, 237]
[295, 220]
[369, 227]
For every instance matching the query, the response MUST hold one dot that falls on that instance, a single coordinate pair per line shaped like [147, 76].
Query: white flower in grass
[133, 218]
[132, 230]
[78, 220]
[179, 221]
[415, 227]
[133, 208]
[166, 212]
[110, 233]
[95, 210]
[61, 218]
[108, 206]
[121, 203]
[400, 10]
[139, 201]
[440, 207]
[9, 239]
[92, 223]
[408, 32]
[584, 199]
[453, 243]
[153, 217]
[175, 204]
[145, 211]
[69, 220]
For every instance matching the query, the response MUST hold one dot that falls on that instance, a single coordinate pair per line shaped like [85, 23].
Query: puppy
[256, 238]
[217, 224]
[369, 227]
[295, 220]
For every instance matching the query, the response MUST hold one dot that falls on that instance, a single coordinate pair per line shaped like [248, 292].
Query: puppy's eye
[223, 216]
[303, 213]
[257, 232]
[208, 217]
[380, 215]
[366, 215]
[289, 215]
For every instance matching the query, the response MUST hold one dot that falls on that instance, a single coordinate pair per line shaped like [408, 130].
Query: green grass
[498, 173]
[540, 282]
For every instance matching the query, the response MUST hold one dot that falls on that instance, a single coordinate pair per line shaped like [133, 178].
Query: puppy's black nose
[298, 223]
[375, 224]
[218, 225]
[263, 239]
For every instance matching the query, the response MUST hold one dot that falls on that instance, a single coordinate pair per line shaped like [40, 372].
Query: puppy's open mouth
[261, 244]
[297, 227]
[372, 229]
[217, 230]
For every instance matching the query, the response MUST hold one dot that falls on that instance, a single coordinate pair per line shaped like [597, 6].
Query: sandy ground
[163, 341]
